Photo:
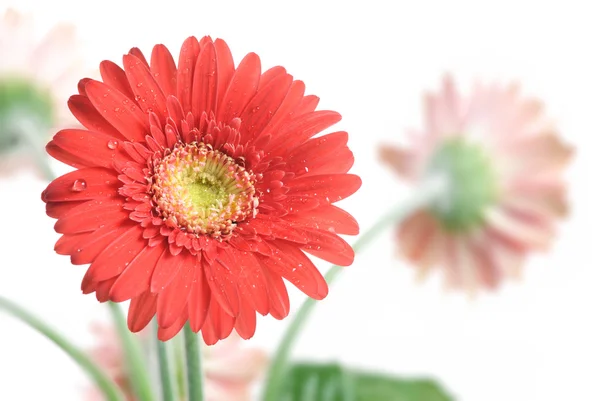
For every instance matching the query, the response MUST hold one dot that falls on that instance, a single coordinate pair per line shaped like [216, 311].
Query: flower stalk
[194, 368]
[165, 368]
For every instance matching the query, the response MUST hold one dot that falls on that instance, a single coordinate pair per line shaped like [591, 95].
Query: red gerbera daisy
[199, 187]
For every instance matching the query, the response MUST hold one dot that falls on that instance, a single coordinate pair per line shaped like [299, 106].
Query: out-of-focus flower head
[499, 161]
[36, 78]
[231, 369]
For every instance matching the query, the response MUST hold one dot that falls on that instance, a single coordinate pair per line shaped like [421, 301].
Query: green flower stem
[280, 362]
[103, 382]
[138, 372]
[164, 365]
[194, 369]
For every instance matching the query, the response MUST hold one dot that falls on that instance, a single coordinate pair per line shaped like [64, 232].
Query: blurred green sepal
[23, 107]
[333, 382]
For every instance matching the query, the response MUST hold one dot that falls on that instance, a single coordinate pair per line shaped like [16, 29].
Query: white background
[537, 339]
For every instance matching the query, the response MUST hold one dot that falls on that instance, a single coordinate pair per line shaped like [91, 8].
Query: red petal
[91, 216]
[245, 323]
[218, 324]
[242, 88]
[97, 242]
[204, 91]
[328, 218]
[85, 112]
[103, 289]
[135, 279]
[134, 51]
[261, 108]
[164, 69]
[286, 109]
[307, 105]
[222, 280]
[302, 128]
[199, 300]
[165, 334]
[80, 148]
[269, 75]
[173, 300]
[68, 244]
[221, 320]
[278, 295]
[297, 204]
[149, 96]
[114, 76]
[292, 264]
[118, 255]
[330, 247]
[185, 72]
[277, 228]
[252, 283]
[209, 332]
[328, 188]
[84, 184]
[166, 270]
[119, 110]
[58, 209]
[225, 66]
[327, 154]
[141, 310]
[81, 86]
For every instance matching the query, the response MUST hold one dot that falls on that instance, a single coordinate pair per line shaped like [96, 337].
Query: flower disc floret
[203, 191]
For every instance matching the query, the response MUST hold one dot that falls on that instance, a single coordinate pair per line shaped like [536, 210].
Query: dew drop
[112, 144]
[79, 185]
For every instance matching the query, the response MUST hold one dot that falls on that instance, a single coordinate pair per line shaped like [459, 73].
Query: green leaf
[373, 387]
[311, 382]
[333, 382]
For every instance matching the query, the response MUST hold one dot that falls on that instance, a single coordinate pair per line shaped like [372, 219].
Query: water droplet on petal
[112, 144]
[79, 185]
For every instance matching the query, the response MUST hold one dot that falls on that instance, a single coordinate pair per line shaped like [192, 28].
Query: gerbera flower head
[500, 161]
[198, 187]
[34, 76]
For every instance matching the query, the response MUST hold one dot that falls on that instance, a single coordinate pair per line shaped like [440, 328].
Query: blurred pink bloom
[501, 163]
[37, 76]
[230, 368]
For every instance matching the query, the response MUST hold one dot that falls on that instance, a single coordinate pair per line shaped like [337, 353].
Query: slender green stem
[166, 372]
[138, 372]
[280, 362]
[194, 369]
[178, 344]
[103, 382]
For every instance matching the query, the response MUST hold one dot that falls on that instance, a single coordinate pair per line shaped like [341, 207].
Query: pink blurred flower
[37, 76]
[230, 368]
[500, 161]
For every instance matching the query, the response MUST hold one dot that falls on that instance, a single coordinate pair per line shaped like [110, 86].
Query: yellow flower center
[203, 191]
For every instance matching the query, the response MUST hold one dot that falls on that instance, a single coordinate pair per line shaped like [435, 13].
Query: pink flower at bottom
[500, 161]
[230, 368]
